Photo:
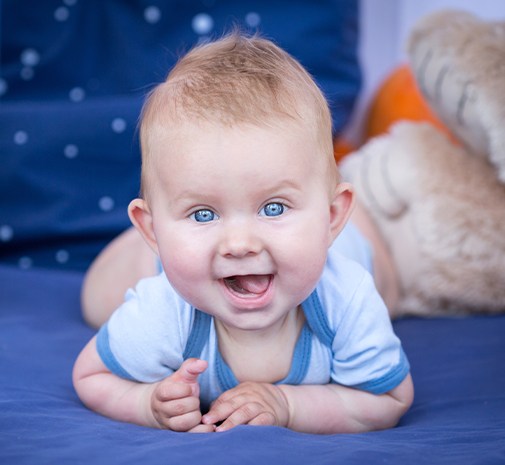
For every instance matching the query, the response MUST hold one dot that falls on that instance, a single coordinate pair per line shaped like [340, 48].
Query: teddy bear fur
[441, 211]
[441, 206]
[459, 64]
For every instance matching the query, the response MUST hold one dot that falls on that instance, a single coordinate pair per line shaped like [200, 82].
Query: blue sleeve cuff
[105, 352]
[390, 380]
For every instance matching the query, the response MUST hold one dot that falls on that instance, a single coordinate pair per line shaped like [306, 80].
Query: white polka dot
[202, 23]
[152, 14]
[118, 125]
[30, 57]
[25, 263]
[6, 233]
[71, 151]
[106, 203]
[26, 73]
[61, 14]
[20, 137]
[62, 256]
[3, 86]
[253, 19]
[77, 94]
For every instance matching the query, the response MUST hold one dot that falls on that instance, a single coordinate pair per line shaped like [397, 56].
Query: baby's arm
[333, 408]
[172, 403]
[323, 409]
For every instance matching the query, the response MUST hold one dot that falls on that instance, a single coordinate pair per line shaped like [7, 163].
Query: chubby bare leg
[385, 273]
[125, 261]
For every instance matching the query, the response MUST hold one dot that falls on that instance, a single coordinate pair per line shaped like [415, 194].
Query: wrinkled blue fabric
[458, 415]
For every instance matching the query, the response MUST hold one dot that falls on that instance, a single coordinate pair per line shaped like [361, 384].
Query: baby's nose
[240, 240]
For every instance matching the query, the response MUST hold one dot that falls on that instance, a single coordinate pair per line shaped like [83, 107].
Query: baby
[265, 313]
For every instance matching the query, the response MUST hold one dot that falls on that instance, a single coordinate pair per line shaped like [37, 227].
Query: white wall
[385, 25]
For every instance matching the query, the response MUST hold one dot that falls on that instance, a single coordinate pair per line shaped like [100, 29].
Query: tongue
[252, 284]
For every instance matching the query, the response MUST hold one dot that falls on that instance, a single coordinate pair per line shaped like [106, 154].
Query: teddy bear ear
[458, 62]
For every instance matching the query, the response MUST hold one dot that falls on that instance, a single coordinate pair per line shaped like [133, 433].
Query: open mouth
[251, 285]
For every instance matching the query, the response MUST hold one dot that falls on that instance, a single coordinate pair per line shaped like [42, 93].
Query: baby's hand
[175, 402]
[249, 404]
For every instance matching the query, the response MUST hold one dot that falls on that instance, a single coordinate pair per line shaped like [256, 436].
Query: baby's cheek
[189, 274]
[303, 269]
[183, 267]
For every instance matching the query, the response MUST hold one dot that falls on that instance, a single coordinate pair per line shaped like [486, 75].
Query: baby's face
[242, 219]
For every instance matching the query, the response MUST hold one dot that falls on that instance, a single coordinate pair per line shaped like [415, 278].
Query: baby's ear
[141, 217]
[340, 209]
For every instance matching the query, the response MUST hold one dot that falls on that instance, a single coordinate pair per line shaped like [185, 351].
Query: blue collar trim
[316, 324]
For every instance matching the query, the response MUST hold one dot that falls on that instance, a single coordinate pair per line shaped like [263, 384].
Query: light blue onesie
[347, 337]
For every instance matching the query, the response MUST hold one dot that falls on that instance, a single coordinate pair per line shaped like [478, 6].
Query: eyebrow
[286, 184]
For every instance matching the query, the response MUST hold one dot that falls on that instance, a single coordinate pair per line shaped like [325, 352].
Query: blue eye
[273, 209]
[203, 216]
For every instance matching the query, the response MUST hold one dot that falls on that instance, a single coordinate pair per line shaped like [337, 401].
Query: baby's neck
[264, 356]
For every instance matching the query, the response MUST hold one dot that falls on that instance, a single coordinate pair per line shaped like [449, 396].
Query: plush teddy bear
[440, 206]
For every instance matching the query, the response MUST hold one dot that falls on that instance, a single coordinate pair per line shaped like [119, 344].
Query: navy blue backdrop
[73, 78]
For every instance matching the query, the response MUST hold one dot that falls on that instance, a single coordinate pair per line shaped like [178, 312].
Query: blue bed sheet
[458, 416]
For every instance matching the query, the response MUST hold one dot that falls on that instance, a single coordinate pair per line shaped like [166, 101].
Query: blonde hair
[237, 79]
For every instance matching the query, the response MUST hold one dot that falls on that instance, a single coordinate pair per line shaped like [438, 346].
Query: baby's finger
[167, 413]
[177, 407]
[203, 429]
[263, 419]
[167, 390]
[246, 414]
[219, 411]
[185, 422]
[189, 371]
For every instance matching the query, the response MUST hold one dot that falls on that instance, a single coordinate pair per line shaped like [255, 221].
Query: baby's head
[236, 81]
[241, 199]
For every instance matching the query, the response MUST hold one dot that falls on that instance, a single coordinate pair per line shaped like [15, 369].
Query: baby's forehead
[191, 150]
[190, 131]
[199, 145]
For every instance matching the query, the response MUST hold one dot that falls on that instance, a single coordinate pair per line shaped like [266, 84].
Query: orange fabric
[341, 148]
[398, 98]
